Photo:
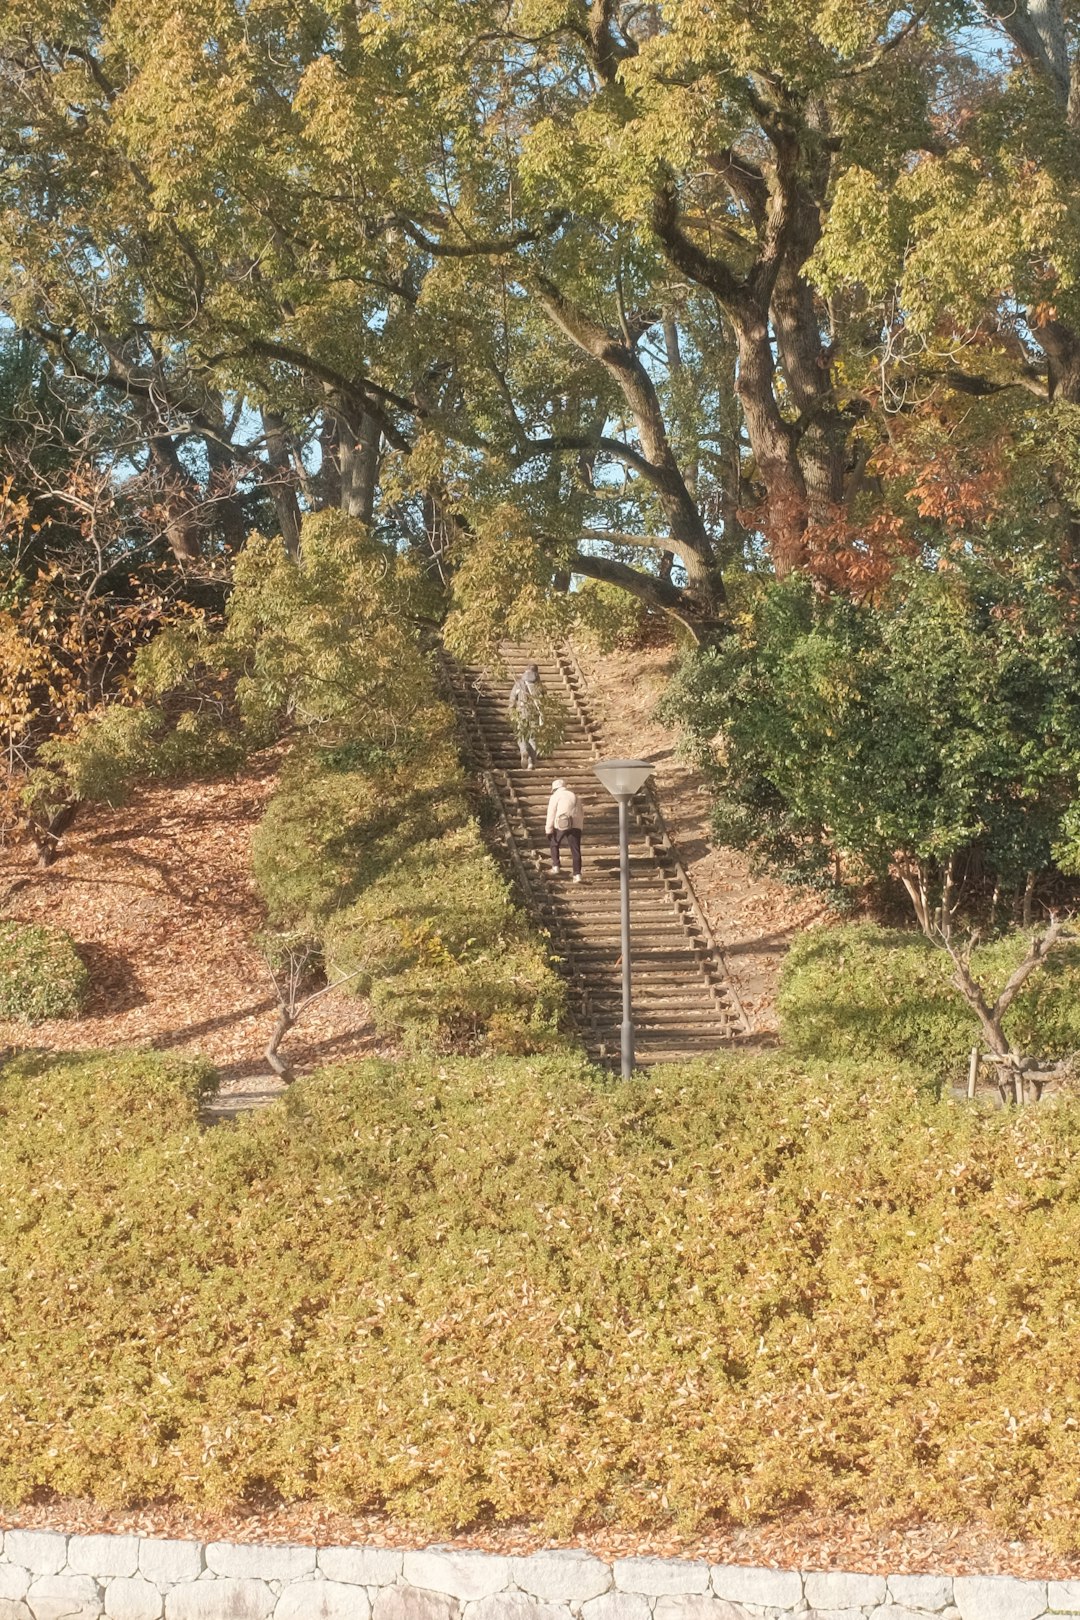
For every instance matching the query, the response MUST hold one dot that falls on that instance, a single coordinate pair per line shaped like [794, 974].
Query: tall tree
[372, 224]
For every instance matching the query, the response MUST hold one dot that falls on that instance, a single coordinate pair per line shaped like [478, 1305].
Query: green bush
[41, 974]
[516, 1289]
[379, 855]
[897, 734]
[610, 617]
[884, 996]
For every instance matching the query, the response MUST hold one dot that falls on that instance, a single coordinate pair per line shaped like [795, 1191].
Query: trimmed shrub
[41, 973]
[379, 855]
[884, 995]
[516, 1289]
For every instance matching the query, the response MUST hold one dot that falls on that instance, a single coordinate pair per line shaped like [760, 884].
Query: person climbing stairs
[684, 1005]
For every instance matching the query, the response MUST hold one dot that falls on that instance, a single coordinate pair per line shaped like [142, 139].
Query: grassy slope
[513, 1287]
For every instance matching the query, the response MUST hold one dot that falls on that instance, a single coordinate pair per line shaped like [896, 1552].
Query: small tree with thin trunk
[1020, 1076]
[295, 962]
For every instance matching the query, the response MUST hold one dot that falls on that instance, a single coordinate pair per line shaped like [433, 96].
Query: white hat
[558, 783]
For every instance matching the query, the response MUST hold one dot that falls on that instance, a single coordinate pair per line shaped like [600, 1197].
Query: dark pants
[572, 836]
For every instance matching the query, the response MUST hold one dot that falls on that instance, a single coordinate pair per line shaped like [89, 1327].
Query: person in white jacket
[565, 821]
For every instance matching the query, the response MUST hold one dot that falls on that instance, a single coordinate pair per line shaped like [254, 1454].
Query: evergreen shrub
[882, 995]
[379, 852]
[41, 973]
[497, 1289]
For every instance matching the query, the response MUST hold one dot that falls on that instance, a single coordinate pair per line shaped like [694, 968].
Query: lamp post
[623, 778]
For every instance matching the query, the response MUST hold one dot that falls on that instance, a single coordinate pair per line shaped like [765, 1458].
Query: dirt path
[754, 918]
[158, 898]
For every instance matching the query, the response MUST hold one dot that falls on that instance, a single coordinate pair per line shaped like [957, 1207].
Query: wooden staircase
[684, 1006]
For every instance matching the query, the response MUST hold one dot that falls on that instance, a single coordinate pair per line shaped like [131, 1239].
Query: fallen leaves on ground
[158, 898]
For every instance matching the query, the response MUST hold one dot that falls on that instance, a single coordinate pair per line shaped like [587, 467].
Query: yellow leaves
[502, 588]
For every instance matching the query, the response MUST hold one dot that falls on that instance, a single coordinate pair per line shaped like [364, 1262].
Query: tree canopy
[656, 295]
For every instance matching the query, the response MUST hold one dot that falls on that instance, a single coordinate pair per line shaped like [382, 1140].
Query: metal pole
[624, 868]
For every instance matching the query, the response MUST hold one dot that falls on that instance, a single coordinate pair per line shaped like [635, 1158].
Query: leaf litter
[159, 899]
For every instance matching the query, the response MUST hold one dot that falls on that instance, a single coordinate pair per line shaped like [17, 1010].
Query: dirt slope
[754, 918]
[158, 898]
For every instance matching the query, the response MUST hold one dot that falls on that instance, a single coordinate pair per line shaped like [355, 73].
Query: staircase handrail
[534, 895]
[659, 830]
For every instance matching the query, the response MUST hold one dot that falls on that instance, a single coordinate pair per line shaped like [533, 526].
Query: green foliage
[874, 995]
[447, 959]
[123, 744]
[610, 617]
[376, 852]
[515, 1289]
[328, 641]
[893, 734]
[325, 644]
[41, 973]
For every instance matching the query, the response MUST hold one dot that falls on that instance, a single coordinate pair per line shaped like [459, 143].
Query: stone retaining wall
[48, 1576]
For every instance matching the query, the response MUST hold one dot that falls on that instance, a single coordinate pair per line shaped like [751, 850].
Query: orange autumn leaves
[943, 496]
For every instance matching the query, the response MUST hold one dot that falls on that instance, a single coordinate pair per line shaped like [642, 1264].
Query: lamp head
[623, 777]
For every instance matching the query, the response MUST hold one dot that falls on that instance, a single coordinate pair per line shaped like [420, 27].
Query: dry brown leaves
[800, 1541]
[158, 898]
[754, 918]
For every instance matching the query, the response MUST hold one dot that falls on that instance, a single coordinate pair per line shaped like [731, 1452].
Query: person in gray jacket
[526, 713]
[564, 824]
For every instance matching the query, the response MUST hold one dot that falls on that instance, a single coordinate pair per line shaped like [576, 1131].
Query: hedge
[512, 1289]
[883, 996]
[378, 854]
[41, 973]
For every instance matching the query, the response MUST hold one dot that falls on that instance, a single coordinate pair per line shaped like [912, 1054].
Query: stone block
[219, 1600]
[901, 1611]
[698, 1606]
[103, 1555]
[932, 1592]
[64, 1597]
[660, 1577]
[42, 1552]
[1063, 1597]
[998, 1597]
[132, 1598]
[166, 1563]
[14, 1581]
[322, 1600]
[569, 1576]
[617, 1606]
[764, 1588]
[406, 1603]
[466, 1576]
[249, 1561]
[14, 1609]
[360, 1566]
[515, 1606]
[840, 1589]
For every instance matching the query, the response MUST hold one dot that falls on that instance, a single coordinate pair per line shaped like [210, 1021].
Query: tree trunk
[772, 441]
[182, 529]
[47, 834]
[228, 512]
[822, 446]
[358, 462]
[286, 1018]
[281, 482]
